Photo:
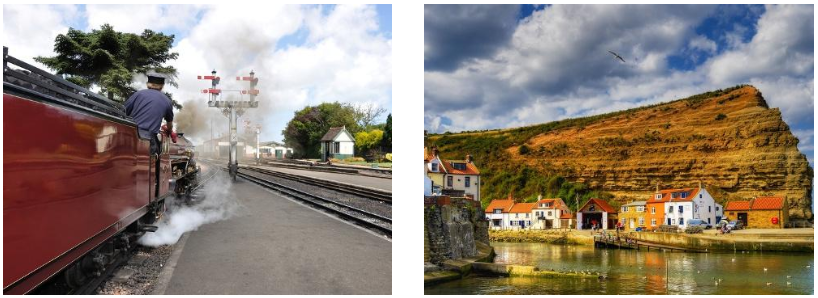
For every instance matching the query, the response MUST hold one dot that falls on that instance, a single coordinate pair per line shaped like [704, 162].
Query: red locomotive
[79, 183]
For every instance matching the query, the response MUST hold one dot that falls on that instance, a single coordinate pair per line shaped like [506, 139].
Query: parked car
[699, 222]
[735, 225]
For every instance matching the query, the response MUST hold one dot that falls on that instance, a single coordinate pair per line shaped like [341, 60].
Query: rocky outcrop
[452, 229]
[731, 142]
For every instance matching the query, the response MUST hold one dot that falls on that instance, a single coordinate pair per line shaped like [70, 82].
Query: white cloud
[557, 66]
[27, 38]
[344, 59]
[783, 45]
[136, 18]
[703, 44]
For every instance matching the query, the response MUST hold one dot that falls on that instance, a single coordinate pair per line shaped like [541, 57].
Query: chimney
[657, 187]
[435, 151]
[700, 184]
[468, 158]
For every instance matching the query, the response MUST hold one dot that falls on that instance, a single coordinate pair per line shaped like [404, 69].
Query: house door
[742, 217]
[632, 223]
[496, 222]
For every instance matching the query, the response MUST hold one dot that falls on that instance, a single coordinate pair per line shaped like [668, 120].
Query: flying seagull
[617, 56]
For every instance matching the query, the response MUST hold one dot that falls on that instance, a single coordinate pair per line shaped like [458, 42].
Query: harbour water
[641, 272]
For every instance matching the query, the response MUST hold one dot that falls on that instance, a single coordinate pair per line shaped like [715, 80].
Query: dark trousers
[154, 140]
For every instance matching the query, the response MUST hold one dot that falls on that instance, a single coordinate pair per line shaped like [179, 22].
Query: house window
[337, 147]
[708, 209]
[708, 220]
[674, 221]
[653, 222]
[434, 167]
[681, 209]
[640, 209]
[449, 181]
[468, 181]
[529, 222]
[652, 210]
[670, 209]
[527, 215]
[516, 215]
[658, 196]
[681, 221]
[549, 213]
[498, 211]
[641, 221]
[592, 208]
[668, 221]
[459, 166]
[684, 195]
[700, 196]
[625, 209]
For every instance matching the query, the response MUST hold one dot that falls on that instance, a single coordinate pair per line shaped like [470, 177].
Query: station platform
[275, 245]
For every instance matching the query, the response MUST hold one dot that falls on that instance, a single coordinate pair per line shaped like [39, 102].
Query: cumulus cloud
[343, 58]
[27, 39]
[556, 65]
[783, 45]
[136, 18]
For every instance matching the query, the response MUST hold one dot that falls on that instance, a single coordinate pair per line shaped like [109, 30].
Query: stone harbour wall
[452, 229]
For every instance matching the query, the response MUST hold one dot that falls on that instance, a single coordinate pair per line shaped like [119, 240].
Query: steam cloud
[219, 204]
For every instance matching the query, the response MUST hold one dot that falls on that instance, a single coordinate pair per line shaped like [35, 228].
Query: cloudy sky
[303, 55]
[492, 67]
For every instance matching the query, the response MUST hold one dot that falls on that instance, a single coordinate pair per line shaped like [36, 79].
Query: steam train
[79, 186]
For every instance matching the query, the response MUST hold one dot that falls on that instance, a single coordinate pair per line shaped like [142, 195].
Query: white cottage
[337, 143]
[682, 205]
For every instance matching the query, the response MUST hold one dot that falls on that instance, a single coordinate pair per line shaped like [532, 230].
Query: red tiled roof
[567, 215]
[470, 168]
[500, 204]
[768, 203]
[558, 203]
[601, 203]
[737, 206]
[522, 208]
[667, 195]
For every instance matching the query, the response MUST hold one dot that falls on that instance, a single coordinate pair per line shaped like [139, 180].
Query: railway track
[364, 218]
[371, 172]
[369, 193]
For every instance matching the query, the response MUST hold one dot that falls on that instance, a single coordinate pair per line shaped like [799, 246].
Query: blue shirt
[148, 107]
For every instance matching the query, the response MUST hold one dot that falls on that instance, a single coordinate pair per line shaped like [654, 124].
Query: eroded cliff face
[732, 144]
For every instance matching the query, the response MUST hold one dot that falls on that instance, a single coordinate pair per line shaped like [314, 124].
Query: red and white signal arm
[774, 220]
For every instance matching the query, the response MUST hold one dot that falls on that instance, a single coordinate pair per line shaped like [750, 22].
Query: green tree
[386, 142]
[304, 132]
[368, 141]
[110, 59]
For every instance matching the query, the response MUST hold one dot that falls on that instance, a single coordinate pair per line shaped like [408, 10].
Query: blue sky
[303, 55]
[528, 64]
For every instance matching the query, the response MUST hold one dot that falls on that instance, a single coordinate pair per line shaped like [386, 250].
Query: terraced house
[497, 214]
[454, 177]
[551, 214]
[680, 205]
[633, 215]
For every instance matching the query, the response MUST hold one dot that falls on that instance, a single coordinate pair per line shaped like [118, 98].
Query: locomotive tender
[79, 187]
